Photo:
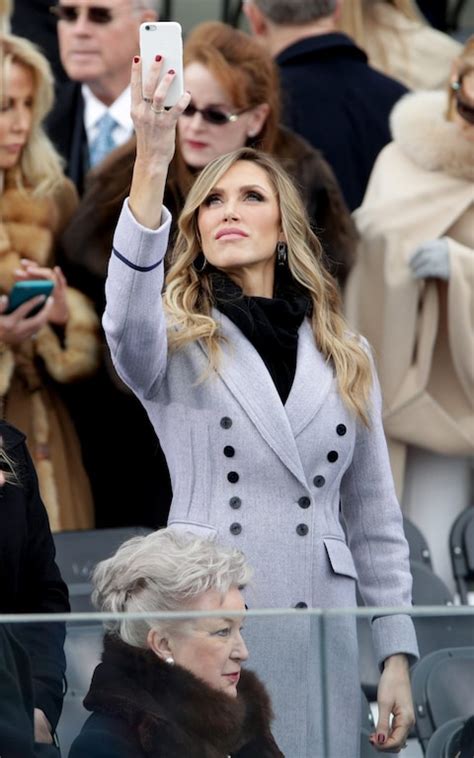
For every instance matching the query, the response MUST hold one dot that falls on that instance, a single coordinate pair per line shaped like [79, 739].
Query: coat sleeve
[375, 535]
[43, 591]
[134, 322]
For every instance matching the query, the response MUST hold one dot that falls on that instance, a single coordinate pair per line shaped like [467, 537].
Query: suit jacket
[65, 128]
[30, 578]
[268, 479]
[333, 98]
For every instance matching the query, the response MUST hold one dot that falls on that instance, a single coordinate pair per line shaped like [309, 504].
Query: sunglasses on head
[213, 115]
[96, 14]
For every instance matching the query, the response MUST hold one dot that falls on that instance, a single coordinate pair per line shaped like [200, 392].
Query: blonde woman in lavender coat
[268, 411]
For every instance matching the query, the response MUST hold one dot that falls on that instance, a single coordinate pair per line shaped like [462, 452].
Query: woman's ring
[157, 110]
[147, 100]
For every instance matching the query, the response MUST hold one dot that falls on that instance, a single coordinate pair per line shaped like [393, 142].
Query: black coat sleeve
[16, 707]
[40, 589]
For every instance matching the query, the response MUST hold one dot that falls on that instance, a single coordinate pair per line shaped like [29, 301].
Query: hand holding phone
[21, 292]
[19, 324]
[163, 38]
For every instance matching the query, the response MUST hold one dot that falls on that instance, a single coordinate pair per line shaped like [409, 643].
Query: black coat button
[226, 422]
[302, 529]
[235, 528]
[341, 429]
[319, 481]
[235, 502]
[301, 605]
[304, 502]
[229, 451]
[233, 477]
[332, 456]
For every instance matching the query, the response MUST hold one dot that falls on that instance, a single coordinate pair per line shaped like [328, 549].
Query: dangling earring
[169, 660]
[199, 263]
[282, 253]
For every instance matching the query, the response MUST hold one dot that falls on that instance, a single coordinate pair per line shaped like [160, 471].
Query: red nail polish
[381, 739]
[136, 59]
[171, 71]
[158, 58]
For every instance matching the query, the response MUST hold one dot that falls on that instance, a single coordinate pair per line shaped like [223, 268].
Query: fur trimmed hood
[172, 712]
[419, 127]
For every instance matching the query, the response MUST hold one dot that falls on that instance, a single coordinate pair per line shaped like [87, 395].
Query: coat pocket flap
[340, 557]
[194, 527]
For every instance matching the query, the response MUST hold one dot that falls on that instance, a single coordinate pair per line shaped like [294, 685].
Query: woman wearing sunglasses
[417, 253]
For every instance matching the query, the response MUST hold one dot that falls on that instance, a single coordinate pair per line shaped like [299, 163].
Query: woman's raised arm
[155, 129]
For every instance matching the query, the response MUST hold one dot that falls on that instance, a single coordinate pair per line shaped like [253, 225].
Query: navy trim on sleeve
[133, 265]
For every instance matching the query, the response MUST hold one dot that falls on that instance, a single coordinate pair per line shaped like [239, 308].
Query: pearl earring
[169, 660]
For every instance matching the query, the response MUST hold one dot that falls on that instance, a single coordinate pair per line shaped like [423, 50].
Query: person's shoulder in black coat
[340, 104]
[30, 578]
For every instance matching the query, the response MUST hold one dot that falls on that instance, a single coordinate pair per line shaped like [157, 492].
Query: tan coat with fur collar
[29, 227]
[422, 188]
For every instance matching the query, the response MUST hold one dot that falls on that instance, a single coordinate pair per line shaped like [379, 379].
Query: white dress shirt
[94, 109]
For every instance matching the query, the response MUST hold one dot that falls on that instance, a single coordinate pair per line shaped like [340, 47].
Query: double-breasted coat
[268, 479]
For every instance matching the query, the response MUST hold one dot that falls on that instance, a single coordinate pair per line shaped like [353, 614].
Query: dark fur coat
[145, 707]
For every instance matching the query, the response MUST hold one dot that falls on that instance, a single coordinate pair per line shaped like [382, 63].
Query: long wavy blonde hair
[188, 298]
[40, 166]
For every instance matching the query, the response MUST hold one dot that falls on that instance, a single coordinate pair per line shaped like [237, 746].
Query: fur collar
[420, 129]
[161, 702]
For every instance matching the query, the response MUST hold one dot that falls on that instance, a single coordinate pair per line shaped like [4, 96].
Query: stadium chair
[445, 741]
[83, 648]
[461, 545]
[419, 550]
[442, 689]
[77, 554]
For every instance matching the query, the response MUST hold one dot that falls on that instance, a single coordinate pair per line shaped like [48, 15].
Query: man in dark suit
[331, 96]
[92, 114]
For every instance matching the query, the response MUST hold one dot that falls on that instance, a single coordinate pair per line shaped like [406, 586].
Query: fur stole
[28, 229]
[420, 129]
[172, 712]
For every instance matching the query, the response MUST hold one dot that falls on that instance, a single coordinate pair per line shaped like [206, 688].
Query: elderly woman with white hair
[175, 688]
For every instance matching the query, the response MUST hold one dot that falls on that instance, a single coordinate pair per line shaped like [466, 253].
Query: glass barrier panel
[186, 678]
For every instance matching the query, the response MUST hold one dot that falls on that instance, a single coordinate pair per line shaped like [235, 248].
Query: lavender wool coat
[268, 479]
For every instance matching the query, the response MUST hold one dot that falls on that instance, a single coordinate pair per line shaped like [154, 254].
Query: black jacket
[65, 128]
[145, 707]
[16, 698]
[30, 581]
[333, 98]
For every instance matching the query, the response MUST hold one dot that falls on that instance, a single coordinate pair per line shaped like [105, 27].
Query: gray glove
[431, 260]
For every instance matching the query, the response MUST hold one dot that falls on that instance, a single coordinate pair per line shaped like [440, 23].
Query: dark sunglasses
[96, 14]
[212, 115]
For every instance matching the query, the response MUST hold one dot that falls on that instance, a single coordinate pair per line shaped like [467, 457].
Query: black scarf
[270, 324]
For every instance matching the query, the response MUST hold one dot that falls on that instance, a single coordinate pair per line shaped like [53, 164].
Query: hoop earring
[282, 253]
[199, 263]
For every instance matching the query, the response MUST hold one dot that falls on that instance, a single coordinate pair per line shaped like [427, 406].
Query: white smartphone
[163, 38]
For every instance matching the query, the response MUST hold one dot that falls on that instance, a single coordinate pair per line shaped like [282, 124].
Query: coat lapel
[312, 382]
[246, 376]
